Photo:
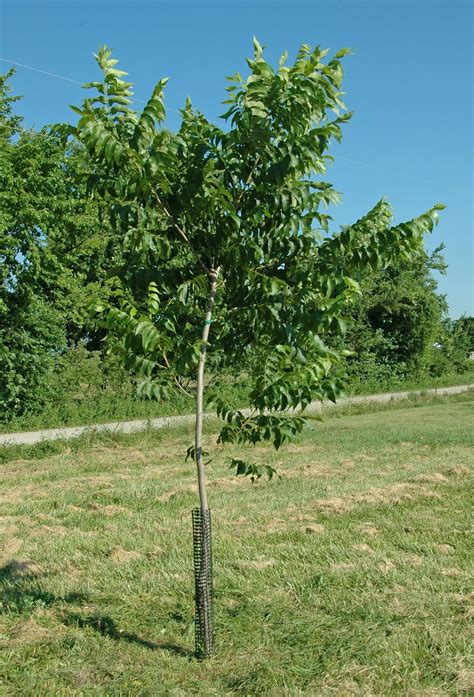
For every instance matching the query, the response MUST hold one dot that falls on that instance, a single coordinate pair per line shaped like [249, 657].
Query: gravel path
[31, 437]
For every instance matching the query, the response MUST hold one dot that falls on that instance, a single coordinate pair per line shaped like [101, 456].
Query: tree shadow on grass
[22, 592]
[106, 626]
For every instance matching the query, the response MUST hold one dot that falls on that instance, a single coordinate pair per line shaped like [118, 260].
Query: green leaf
[257, 48]
[343, 52]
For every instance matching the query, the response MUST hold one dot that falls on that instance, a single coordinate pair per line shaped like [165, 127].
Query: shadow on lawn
[20, 584]
[106, 626]
[22, 592]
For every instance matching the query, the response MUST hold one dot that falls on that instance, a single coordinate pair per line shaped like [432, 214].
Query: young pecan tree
[227, 244]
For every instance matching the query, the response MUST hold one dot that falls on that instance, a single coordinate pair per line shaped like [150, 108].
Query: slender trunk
[203, 618]
[200, 392]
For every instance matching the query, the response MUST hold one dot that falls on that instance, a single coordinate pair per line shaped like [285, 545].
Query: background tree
[465, 324]
[453, 345]
[55, 251]
[29, 329]
[397, 323]
[225, 226]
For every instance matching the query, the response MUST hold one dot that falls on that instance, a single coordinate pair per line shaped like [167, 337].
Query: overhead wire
[38, 70]
[177, 111]
[67, 79]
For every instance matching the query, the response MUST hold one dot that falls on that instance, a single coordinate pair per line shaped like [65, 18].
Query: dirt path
[31, 437]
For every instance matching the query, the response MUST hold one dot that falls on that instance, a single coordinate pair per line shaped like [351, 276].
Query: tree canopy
[241, 207]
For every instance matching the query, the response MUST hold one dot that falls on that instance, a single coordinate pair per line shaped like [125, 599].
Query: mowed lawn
[349, 576]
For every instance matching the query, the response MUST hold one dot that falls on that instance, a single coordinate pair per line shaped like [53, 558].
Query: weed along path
[32, 437]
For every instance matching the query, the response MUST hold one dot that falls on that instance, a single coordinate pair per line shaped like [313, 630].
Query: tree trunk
[200, 392]
[202, 516]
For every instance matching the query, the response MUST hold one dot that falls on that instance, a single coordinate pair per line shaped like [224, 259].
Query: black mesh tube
[203, 615]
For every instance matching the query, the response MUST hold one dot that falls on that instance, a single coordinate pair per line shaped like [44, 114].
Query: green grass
[105, 407]
[349, 576]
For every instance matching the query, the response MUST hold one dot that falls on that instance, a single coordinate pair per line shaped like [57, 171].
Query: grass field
[349, 576]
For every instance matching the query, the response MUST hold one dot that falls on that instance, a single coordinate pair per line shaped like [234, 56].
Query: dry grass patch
[119, 555]
[430, 477]
[257, 564]
[465, 682]
[368, 529]
[108, 509]
[343, 566]
[21, 494]
[363, 547]
[30, 631]
[9, 548]
[392, 494]
[53, 530]
[445, 549]
[386, 566]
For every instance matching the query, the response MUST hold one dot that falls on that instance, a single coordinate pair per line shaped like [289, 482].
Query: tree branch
[176, 380]
[179, 230]
[247, 182]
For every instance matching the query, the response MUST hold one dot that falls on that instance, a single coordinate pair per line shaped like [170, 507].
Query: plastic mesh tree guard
[203, 614]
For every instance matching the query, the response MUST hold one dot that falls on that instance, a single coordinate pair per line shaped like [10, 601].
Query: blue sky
[409, 82]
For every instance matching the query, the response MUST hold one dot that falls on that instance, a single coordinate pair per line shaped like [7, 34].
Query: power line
[383, 169]
[177, 111]
[63, 77]
[38, 70]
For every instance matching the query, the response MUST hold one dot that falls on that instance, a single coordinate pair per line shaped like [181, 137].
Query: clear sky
[409, 82]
